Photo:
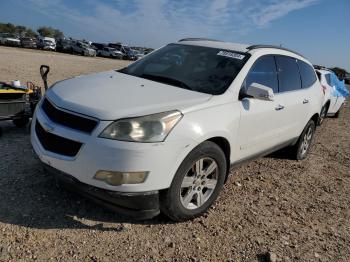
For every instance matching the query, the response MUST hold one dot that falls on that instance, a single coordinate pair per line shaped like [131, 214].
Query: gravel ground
[298, 211]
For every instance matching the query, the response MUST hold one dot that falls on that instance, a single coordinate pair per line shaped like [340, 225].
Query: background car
[125, 50]
[138, 54]
[98, 46]
[47, 43]
[335, 93]
[64, 45]
[9, 40]
[110, 52]
[28, 42]
[82, 48]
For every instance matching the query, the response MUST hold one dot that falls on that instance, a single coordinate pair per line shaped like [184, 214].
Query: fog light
[115, 178]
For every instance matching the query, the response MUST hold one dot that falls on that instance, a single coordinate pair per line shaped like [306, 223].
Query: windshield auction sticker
[231, 55]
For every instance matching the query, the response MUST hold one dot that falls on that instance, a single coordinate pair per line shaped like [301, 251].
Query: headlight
[151, 128]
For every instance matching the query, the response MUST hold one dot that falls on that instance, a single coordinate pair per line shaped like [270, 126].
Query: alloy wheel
[199, 183]
[307, 140]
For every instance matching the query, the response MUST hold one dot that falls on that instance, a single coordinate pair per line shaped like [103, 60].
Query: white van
[47, 43]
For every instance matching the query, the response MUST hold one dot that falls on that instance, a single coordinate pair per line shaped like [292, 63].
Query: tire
[323, 115]
[21, 122]
[336, 115]
[303, 145]
[189, 197]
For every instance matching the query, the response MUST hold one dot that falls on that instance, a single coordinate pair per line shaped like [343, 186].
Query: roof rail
[198, 39]
[272, 46]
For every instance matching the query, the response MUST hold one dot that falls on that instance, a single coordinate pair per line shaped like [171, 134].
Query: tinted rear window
[288, 74]
[263, 72]
[307, 72]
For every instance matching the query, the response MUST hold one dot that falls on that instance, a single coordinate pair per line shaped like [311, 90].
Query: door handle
[305, 101]
[279, 107]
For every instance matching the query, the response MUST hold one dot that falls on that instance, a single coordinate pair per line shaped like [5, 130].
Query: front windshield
[202, 69]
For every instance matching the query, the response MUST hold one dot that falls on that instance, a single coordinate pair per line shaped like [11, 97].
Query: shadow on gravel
[280, 154]
[29, 196]
[36, 202]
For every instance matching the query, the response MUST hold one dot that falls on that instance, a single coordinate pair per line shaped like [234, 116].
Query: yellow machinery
[18, 103]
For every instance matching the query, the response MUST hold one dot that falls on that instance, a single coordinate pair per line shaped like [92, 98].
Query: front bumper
[161, 160]
[49, 47]
[144, 205]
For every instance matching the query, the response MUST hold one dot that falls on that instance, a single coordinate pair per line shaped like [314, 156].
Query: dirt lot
[297, 210]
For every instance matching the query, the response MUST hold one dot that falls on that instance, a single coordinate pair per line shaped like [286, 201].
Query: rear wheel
[302, 147]
[21, 122]
[196, 184]
[336, 115]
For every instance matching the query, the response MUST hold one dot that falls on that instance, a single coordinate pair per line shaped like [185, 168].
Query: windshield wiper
[167, 80]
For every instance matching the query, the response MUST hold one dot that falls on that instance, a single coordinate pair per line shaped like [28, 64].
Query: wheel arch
[224, 144]
[315, 118]
[327, 104]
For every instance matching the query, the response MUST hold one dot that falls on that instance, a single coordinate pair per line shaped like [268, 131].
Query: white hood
[112, 95]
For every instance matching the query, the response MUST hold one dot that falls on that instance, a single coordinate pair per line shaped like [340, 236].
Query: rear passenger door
[296, 99]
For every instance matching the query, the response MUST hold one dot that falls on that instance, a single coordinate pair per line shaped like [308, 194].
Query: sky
[319, 29]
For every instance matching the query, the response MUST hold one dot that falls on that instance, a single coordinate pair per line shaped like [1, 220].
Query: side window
[263, 72]
[328, 79]
[308, 76]
[288, 74]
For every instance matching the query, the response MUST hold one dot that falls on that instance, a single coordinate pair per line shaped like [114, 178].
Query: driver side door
[261, 120]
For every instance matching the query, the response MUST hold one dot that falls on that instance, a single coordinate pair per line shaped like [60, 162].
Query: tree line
[22, 31]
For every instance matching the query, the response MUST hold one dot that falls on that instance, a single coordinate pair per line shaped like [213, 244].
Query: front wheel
[196, 184]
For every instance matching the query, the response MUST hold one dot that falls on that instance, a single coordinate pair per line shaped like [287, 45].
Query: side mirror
[259, 91]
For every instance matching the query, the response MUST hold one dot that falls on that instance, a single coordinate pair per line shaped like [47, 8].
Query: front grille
[56, 144]
[67, 119]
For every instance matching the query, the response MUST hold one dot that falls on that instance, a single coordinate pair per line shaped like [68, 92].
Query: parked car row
[72, 46]
[117, 50]
[9, 40]
[46, 43]
[199, 108]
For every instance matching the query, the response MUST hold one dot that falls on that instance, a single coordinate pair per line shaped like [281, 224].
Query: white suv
[163, 133]
[110, 52]
[332, 100]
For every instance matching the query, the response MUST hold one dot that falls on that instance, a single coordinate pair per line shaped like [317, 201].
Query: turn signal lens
[115, 178]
